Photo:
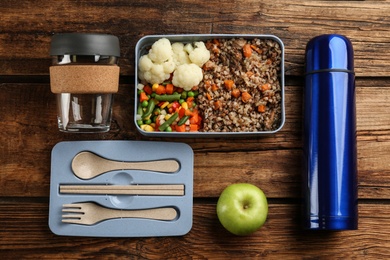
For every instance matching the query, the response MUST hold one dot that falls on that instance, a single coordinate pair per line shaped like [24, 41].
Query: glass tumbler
[84, 76]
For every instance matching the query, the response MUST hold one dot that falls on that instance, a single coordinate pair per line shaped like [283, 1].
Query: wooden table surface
[29, 130]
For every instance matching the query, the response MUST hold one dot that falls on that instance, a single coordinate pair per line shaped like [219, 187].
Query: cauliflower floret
[184, 60]
[145, 63]
[161, 51]
[158, 64]
[169, 66]
[198, 54]
[180, 55]
[187, 76]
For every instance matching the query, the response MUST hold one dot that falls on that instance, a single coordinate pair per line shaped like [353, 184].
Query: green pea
[190, 94]
[140, 91]
[139, 122]
[184, 95]
[144, 103]
[181, 101]
[168, 129]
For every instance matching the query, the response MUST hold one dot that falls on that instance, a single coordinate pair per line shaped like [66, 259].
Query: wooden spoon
[87, 165]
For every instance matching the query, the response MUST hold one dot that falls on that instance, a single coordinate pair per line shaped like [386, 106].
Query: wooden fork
[90, 213]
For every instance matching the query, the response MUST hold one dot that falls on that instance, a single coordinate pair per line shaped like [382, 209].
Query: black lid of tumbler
[329, 52]
[85, 44]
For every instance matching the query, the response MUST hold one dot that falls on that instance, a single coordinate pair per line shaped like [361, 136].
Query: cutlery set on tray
[121, 189]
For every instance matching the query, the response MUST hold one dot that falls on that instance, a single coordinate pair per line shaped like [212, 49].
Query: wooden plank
[29, 131]
[25, 234]
[26, 28]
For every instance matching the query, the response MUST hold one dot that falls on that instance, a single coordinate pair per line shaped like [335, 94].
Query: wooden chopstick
[167, 190]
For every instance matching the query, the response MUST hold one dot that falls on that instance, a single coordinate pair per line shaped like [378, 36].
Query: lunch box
[145, 43]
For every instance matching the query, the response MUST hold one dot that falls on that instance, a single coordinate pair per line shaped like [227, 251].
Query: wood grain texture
[29, 131]
[281, 236]
[26, 27]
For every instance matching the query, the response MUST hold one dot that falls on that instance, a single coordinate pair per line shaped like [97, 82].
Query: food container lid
[329, 52]
[85, 44]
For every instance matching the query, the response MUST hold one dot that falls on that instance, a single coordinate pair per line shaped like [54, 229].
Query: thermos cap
[85, 44]
[329, 52]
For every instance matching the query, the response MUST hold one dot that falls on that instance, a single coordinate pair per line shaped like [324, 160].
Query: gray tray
[61, 173]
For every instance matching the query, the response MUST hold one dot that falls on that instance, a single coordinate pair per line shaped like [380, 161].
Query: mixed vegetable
[164, 107]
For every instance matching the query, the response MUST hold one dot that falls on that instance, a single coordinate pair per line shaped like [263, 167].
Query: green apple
[242, 208]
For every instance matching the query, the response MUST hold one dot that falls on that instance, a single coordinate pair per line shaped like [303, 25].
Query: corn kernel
[184, 105]
[154, 87]
[166, 103]
[147, 128]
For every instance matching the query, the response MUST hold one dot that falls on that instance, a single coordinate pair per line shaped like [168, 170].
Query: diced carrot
[265, 87]
[143, 97]
[245, 96]
[190, 101]
[161, 90]
[148, 89]
[194, 128]
[247, 50]
[215, 49]
[180, 128]
[188, 112]
[217, 104]
[261, 108]
[229, 84]
[194, 119]
[169, 89]
[236, 93]
[249, 74]
[179, 90]
[214, 87]
[257, 49]
[194, 88]
[268, 62]
[216, 42]
[157, 125]
[208, 96]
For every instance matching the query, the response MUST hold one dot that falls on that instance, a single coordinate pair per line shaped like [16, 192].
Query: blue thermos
[330, 153]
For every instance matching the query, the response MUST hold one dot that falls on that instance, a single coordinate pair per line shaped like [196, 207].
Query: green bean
[169, 98]
[168, 122]
[140, 111]
[183, 120]
[149, 109]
